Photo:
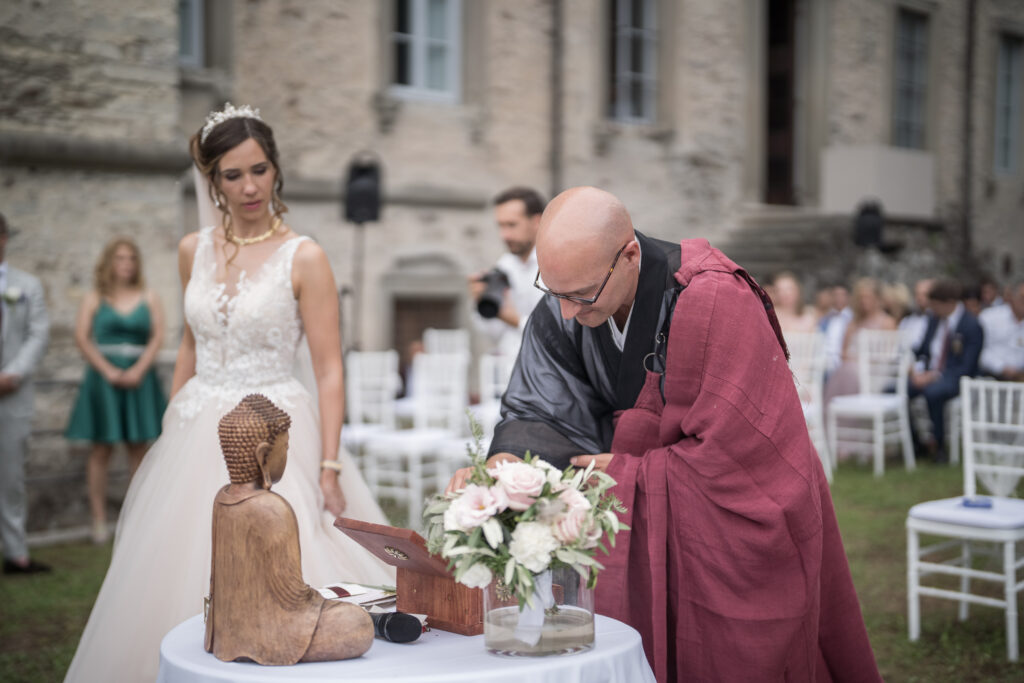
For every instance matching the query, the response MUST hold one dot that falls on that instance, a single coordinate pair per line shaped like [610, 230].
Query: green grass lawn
[41, 616]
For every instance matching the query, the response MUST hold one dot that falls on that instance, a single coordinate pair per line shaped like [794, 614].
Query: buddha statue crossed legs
[260, 608]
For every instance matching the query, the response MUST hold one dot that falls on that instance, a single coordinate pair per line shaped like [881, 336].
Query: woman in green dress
[118, 329]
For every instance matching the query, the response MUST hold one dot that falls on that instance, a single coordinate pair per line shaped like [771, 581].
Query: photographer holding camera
[504, 296]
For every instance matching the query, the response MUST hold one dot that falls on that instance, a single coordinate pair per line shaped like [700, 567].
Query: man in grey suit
[24, 327]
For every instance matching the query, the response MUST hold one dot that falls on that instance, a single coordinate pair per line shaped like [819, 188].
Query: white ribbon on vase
[531, 619]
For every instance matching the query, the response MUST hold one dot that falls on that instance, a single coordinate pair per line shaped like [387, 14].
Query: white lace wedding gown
[160, 569]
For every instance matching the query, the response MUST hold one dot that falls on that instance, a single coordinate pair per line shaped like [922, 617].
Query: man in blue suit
[949, 350]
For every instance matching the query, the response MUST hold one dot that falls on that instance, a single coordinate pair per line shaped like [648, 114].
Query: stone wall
[860, 110]
[998, 217]
[100, 69]
[91, 149]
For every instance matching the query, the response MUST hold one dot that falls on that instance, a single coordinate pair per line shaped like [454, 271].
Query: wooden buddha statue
[260, 608]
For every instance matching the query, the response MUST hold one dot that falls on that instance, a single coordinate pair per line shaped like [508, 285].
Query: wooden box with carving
[425, 586]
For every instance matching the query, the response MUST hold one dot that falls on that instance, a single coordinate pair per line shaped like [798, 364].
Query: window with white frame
[632, 92]
[1009, 112]
[910, 80]
[426, 48]
[191, 33]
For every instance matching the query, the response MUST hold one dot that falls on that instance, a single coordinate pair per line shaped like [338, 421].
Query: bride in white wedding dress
[251, 287]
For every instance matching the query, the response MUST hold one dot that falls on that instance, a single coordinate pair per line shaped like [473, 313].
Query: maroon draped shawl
[734, 569]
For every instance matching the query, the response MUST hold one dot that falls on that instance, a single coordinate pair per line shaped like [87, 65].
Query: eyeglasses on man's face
[586, 301]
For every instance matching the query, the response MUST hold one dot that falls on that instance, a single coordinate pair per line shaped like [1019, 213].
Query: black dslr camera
[489, 302]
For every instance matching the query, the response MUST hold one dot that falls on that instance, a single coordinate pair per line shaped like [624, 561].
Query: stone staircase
[817, 248]
[820, 250]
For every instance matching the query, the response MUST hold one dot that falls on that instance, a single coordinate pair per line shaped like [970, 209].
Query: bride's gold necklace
[244, 241]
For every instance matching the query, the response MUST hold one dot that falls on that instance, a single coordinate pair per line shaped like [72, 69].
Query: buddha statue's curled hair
[254, 420]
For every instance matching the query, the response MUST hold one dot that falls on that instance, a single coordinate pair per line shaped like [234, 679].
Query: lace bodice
[247, 340]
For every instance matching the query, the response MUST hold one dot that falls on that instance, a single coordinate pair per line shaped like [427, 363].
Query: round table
[437, 657]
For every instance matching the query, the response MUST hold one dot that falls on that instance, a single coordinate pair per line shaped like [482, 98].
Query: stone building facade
[760, 124]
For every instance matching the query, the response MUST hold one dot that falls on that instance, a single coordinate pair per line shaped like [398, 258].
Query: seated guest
[1002, 355]
[822, 307]
[972, 299]
[896, 300]
[868, 314]
[787, 296]
[991, 294]
[260, 609]
[834, 326]
[949, 350]
[913, 326]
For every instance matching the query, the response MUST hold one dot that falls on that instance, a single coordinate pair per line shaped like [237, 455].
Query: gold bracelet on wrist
[331, 465]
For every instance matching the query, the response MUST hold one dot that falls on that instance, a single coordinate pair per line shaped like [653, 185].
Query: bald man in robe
[663, 363]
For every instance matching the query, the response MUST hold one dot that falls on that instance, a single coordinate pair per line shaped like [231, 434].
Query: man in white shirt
[500, 309]
[1002, 354]
[913, 327]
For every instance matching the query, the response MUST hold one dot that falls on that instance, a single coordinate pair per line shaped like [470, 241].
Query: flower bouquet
[527, 533]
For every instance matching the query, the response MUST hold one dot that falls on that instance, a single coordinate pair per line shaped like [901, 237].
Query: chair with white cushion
[993, 453]
[807, 362]
[878, 415]
[403, 463]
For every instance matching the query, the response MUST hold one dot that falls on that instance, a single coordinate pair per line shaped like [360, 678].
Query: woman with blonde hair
[118, 330]
[787, 295]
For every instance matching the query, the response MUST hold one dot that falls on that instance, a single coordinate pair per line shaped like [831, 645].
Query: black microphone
[397, 627]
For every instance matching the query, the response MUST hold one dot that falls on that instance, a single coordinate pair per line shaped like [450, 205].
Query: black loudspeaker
[362, 190]
[867, 226]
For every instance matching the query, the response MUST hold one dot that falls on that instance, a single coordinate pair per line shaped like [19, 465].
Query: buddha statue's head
[254, 441]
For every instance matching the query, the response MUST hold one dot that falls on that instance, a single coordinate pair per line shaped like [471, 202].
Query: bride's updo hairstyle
[254, 420]
[222, 132]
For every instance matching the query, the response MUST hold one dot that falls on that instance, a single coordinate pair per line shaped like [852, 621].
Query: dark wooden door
[413, 315]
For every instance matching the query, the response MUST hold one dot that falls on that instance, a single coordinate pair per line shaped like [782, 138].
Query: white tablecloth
[437, 657]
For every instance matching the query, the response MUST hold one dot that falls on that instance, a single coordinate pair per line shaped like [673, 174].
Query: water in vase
[566, 630]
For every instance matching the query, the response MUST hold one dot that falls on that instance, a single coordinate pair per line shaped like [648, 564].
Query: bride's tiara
[215, 118]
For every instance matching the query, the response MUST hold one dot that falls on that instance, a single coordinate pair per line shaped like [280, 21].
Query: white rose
[450, 524]
[522, 483]
[553, 474]
[477, 576]
[532, 545]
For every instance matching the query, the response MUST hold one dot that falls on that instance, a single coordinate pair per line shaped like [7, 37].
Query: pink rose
[568, 527]
[592, 533]
[521, 483]
[574, 500]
